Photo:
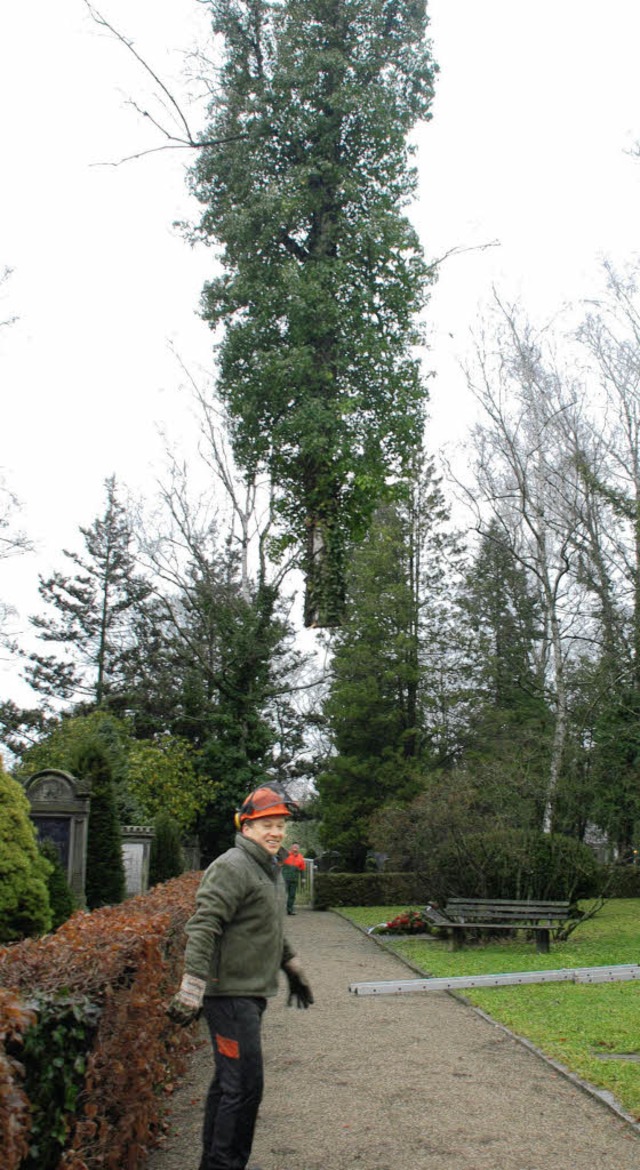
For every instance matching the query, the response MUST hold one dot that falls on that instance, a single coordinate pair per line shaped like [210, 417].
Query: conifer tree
[505, 619]
[166, 852]
[105, 881]
[92, 612]
[60, 895]
[507, 734]
[387, 705]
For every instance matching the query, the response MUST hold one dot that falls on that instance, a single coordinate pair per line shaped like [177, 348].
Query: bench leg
[457, 938]
[542, 942]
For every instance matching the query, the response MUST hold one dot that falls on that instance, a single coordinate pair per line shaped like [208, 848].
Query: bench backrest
[506, 910]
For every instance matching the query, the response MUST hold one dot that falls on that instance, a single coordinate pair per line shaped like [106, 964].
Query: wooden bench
[493, 914]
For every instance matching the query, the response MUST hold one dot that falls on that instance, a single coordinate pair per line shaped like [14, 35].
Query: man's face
[266, 831]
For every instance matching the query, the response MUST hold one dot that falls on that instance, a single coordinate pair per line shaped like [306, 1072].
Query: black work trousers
[234, 1096]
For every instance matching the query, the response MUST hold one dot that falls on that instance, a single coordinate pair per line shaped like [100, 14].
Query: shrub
[365, 889]
[408, 833]
[166, 850]
[61, 899]
[24, 898]
[514, 864]
[622, 881]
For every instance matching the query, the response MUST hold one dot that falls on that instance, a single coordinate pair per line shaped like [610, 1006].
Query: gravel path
[418, 1082]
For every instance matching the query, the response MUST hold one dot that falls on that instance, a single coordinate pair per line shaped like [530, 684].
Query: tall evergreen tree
[166, 860]
[303, 173]
[505, 619]
[507, 740]
[61, 898]
[371, 707]
[385, 707]
[105, 880]
[92, 612]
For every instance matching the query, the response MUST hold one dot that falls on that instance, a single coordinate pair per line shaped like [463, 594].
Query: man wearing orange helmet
[235, 948]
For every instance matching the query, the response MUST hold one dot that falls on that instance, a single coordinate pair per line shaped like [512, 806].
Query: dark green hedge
[499, 864]
[367, 889]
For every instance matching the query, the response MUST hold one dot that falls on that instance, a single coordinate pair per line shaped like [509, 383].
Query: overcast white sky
[537, 107]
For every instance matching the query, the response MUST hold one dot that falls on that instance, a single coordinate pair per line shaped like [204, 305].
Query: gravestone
[60, 812]
[136, 855]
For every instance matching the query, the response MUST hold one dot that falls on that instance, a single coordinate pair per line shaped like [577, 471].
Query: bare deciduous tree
[526, 483]
[611, 334]
[4, 276]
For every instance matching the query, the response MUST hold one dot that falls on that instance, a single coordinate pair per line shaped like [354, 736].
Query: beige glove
[186, 1005]
[299, 987]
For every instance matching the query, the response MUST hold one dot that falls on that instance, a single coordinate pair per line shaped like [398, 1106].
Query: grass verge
[576, 1024]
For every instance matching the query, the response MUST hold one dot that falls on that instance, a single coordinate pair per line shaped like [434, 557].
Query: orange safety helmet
[269, 800]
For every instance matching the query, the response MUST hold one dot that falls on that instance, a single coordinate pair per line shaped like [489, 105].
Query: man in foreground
[235, 949]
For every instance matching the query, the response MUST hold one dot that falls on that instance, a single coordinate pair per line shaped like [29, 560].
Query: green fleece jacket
[236, 936]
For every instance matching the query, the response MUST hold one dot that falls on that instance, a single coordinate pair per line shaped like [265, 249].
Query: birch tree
[609, 462]
[526, 488]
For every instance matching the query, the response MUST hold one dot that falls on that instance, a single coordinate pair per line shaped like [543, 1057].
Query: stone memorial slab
[60, 812]
[136, 855]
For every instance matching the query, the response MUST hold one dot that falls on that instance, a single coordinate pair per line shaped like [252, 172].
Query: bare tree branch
[186, 140]
[4, 276]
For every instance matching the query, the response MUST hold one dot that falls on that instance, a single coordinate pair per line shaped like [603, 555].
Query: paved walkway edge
[602, 1096]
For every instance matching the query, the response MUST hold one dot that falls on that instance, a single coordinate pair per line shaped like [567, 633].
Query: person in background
[235, 948]
[292, 870]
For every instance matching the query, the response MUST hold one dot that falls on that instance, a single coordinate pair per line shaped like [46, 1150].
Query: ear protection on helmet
[269, 800]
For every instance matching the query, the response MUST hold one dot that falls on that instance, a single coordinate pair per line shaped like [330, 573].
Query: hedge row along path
[419, 1082]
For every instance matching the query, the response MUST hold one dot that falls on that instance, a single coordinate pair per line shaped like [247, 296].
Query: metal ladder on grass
[616, 974]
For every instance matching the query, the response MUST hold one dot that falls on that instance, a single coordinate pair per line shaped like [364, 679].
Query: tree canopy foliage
[303, 179]
[490, 690]
[537, 709]
[197, 671]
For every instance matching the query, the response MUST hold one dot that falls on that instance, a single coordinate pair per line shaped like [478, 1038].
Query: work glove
[186, 1005]
[299, 989]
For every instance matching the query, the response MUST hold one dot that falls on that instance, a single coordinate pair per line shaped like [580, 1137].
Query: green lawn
[572, 1023]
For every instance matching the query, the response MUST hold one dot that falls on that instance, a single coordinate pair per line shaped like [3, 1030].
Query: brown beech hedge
[87, 1053]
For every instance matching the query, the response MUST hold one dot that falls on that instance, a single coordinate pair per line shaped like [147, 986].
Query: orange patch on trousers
[227, 1047]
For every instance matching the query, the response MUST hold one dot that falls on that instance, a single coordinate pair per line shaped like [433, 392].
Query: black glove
[299, 989]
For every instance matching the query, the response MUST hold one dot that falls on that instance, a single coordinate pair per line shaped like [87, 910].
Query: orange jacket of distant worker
[294, 858]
